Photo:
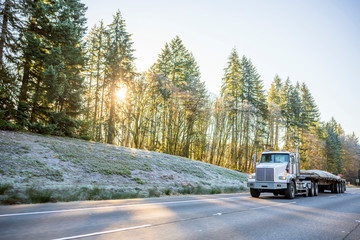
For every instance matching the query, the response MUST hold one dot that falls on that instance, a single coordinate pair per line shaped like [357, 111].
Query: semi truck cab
[279, 172]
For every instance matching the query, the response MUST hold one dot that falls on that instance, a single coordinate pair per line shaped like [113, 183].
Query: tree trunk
[111, 123]
[4, 29]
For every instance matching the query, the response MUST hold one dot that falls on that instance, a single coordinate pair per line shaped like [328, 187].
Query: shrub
[215, 190]
[5, 187]
[153, 192]
[39, 195]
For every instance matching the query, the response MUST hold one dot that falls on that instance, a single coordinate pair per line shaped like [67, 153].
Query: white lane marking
[149, 225]
[117, 206]
[105, 232]
[276, 205]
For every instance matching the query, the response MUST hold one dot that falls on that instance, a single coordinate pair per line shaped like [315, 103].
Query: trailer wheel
[316, 189]
[342, 187]
[333, 188]
[312, 190]
[290, 191]
[254, 193]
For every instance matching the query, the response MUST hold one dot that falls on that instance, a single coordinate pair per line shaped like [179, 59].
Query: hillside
[36, 168]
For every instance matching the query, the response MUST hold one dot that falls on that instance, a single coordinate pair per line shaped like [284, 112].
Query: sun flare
[121, 93]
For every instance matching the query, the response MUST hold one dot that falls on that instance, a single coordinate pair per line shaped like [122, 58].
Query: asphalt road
[227, 216]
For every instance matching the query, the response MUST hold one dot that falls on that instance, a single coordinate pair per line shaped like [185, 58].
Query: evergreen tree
[254, 108]
[310, 114]
[285, 107]
[51, 88]
[119, 65]
[232, 93]
[10, 25]
[333, 148]
[183, 97]
[34, 50]
[274, 118]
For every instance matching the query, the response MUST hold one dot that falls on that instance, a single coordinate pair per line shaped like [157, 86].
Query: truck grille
[265, 174]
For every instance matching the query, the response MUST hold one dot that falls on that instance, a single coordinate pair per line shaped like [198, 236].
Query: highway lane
[227, 216]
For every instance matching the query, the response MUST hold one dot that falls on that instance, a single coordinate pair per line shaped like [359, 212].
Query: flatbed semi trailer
[279, 172]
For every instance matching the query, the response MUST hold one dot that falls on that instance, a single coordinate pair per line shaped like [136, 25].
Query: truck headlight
[251, 176]
[282, 177]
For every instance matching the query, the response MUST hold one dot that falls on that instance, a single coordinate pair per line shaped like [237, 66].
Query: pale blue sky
[311, 41]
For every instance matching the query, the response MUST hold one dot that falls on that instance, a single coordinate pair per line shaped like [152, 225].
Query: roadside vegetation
[57, 77]
[38, 169]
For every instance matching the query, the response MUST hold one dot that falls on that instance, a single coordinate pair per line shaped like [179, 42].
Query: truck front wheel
[254, 192]
[316, 189]
[290, 191]
[312, 190]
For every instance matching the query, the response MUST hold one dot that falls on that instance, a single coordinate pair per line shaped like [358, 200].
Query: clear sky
[311, 41]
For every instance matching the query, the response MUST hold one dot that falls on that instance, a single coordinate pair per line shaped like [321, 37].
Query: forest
[57, 77]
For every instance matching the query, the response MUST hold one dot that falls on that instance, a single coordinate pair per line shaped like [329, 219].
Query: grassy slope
[36, 168]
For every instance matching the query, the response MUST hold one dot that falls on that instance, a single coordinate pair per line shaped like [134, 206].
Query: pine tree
[69, 24]
[294, 112]
[310, 114]
[231, 92]
[285, 107]
[274, 101]
[119, 65]
[254, 107]
[33, 52]
[10, 25]
[50, 92]
[333, 148]
[183, 97]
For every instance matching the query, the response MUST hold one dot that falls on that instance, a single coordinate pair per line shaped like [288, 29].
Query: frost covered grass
[36, 168]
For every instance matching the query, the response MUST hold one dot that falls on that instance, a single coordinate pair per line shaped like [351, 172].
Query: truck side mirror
[255, 162]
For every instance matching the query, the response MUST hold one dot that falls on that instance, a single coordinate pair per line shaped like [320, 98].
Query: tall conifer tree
[119, 65]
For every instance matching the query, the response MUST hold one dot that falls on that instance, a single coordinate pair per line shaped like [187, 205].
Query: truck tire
[341, 187]
[254, 193]
[306, 193]
[290, 191]
[333, 188]
[312, 190]
[316, 189]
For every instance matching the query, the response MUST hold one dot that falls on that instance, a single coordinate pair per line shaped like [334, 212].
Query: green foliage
[154, 192]
[215, 190]
[42, 129]
[39, 195]
[5, 187]
[333, 148]
[7, 125]
[138, 180]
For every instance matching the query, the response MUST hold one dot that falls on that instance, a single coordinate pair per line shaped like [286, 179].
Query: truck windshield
[275, 158]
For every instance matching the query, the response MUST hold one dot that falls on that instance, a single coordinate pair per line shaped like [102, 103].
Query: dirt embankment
[37, 168]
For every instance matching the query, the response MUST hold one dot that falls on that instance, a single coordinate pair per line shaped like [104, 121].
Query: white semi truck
[279, 172]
